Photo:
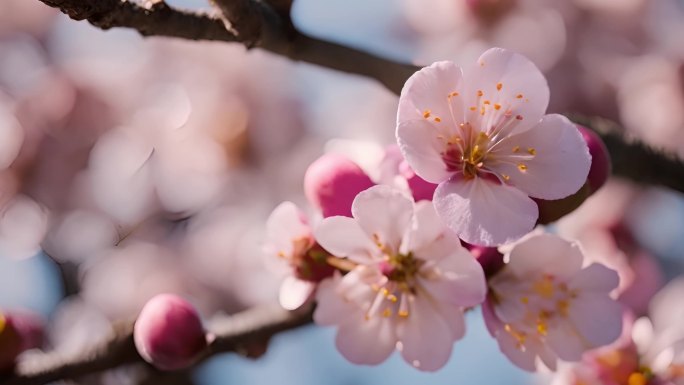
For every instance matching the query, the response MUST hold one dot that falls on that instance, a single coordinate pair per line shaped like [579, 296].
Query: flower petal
[483, 212]
[422, 335]
[343, 237]
[565, 342]
[427, 227]
[548, 161]
[598, 318]
[545, 254]
[512, 82]
[522, 358]
[366, 342]
[426, 95]
[331, 308]
[456, 279]
[295, 292]
[420, 143]
[286, 224]
[595, 278]
[384, 213]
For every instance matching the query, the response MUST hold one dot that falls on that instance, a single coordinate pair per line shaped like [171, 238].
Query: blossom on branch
[291, 239]
[409, 287]
[483, 136]
[544, 305]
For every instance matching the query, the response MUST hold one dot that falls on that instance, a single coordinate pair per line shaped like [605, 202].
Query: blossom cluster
[397, 259]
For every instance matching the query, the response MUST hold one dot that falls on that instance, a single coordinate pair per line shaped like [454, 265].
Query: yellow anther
[437, 119]
[519, 96]
[487, 102]
[516, 149]
[480, 93]
[473, 108]
[367, 317]
[281, 254]
[522, 167]
[563, 307]
[403, 313]
[544, 287]
[497, 106]
[505, 177]
[524, 300]
[482, 111]
[387, 313]
[499, 86]
[541, 328]
[426, 114]
[392, 298]
[384, 291]
[453, 94]
[531, 151]
[637, 378]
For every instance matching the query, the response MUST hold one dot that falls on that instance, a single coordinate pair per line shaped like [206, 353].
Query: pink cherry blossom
[544, 305]
[410, 284]
[291, 238]
[482, 135]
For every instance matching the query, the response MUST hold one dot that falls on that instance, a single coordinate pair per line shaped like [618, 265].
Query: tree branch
[233, 334]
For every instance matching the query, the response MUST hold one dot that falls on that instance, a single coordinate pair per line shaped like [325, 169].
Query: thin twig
[232, 334]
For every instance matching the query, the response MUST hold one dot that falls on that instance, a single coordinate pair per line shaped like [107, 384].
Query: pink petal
[286, 224]
[427, 227]
[423, 336]
[343, 237]
[457, 278]
[384, 213]
[545, 254]
[598, 318]
[295, 292]
[483, 212]
[331, 308]
[595, 278]
[508, 79]
[524, 359]
[565, 342]
[560, 164]
[366, 342]
[420, 143]
[429, 90]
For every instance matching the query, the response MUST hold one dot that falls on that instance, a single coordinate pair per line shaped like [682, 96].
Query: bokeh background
[133, 166]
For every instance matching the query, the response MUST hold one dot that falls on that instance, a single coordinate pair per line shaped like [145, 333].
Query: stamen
[473, 108]
[519, 96]
[497, 106]
[499, 86]
[426, 114]
[437, 119]
[516, 149]
[531, 151]
[403, 306]
[519, 117]
[522, 167]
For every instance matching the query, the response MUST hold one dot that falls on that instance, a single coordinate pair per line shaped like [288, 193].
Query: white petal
[420, 143]
[429, 90]
[545, 254]
[456, 279]
[286, 224]
[502, 76]
[597, 318]
[565, 342]
[524, 359]
[559, 166]
[483, 212]
[366, 342]
[343, 237]
[423, 336]
[385, 213]
[595, 278]
[295, 292]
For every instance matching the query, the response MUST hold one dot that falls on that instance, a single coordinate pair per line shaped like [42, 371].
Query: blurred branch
[234, 333]
[253, 23]
[635, 160]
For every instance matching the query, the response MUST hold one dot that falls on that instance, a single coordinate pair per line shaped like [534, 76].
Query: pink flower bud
[10, 344]
[489, 11]
[332, 182]
[169, 333]
[420, 188]
[489, 258]
[600, 159]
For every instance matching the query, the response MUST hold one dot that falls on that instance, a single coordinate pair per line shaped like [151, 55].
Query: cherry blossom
[410, 284]
[483, 136]
[291, 238]
[544, 305]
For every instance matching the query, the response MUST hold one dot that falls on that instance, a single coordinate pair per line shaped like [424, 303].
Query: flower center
[401, 268]
[466, 152]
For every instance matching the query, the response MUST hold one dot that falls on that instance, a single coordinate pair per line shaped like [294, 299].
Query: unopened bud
[600, 159]
[168, 333]
[332, 182]
[420, 188]
[10, 344]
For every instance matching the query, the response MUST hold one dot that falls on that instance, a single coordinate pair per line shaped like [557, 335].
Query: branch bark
[236, 333]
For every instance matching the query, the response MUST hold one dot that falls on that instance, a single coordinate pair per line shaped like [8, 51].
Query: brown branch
[233, 334]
